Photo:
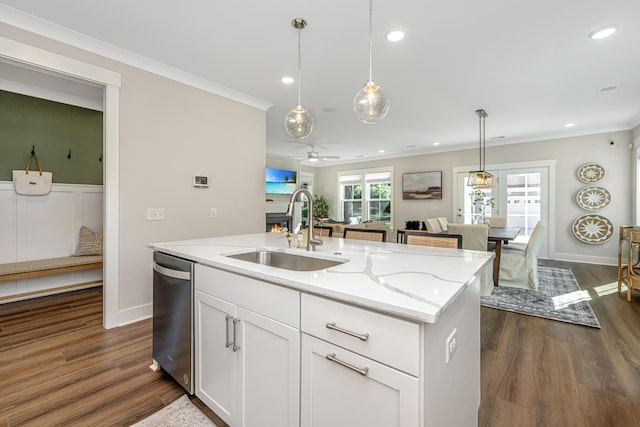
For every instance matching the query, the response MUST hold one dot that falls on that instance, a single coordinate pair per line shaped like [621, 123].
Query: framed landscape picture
[422, 185]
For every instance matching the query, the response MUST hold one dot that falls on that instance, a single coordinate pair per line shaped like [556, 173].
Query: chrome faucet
[311, 241]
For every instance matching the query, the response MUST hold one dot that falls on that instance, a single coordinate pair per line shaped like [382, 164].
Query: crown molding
[64, 35]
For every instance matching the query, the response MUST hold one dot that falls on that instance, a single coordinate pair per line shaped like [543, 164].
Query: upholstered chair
[519, 267]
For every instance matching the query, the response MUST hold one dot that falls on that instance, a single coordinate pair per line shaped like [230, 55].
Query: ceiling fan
[314, 156]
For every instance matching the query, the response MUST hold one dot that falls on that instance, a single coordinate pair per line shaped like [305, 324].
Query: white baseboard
[135, 314]
[558, 256]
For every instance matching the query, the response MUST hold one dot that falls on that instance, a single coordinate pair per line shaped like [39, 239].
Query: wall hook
[69, 155]
[100, 159]
[33, 150]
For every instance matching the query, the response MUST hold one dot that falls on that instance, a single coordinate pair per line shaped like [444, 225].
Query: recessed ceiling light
[329, 110]
[395, 35]
[569, 125]
[380, 151]
[603, 32]
[436, 143]
[287, 80]
[411, 146]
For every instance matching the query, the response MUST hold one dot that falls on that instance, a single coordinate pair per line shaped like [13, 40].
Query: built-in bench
[45, 267]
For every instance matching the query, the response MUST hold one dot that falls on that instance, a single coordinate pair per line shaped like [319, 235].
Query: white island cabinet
[355, 377]
[247, 349]
[388, 337]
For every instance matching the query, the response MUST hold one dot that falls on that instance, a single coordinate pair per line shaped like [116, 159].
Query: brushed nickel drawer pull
[362, 371]
[226, 331]
[235, 347]
[361, 337]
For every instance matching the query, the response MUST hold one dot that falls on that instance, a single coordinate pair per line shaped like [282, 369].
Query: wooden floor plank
[58, 366]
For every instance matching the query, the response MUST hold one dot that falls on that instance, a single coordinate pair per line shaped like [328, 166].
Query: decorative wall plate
[593, 229]
[593, 198]
[590, 172]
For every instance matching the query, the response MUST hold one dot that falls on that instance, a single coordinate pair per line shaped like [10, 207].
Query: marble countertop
[409, 281]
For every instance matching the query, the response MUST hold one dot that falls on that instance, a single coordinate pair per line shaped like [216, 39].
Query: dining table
[500, 235]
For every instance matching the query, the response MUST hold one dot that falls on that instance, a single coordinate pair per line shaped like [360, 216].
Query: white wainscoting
[40, 227]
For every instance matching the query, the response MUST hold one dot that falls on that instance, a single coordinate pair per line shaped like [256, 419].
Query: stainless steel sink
[286, 260]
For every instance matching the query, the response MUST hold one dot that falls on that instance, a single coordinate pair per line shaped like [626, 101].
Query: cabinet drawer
[388, 340]
[341, 388]
[273, 301]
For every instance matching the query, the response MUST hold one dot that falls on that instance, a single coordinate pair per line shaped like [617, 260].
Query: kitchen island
[389, 336]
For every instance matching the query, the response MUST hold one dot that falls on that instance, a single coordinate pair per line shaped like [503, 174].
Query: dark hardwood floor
[538, 372]
[58, 366]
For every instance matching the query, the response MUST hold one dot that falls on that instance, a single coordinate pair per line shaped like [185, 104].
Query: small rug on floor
[558, 297]
[180, 412]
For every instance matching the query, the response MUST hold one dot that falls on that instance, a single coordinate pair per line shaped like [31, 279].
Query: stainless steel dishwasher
[173, 347]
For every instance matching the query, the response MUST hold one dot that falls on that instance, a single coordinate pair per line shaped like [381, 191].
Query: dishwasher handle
[176, 274]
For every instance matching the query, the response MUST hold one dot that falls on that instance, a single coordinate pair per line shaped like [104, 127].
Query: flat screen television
[281, 181]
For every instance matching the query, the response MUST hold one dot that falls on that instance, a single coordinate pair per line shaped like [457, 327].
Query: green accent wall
[54, 129]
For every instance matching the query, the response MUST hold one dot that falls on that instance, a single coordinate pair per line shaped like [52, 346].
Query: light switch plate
[155, 214]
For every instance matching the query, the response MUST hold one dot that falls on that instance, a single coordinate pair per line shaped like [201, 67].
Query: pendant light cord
[480, 150]
[299, 64]
[370, 37]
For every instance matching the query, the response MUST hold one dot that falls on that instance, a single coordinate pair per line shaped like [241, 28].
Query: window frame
[361, 175]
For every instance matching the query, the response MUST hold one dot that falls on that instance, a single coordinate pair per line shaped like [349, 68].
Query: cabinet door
[269, 371]
[335, 395]
[216, 364]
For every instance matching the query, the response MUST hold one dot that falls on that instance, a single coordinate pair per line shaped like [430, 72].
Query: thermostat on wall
[200, 181]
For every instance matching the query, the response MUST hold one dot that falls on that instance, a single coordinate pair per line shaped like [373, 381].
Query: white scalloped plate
[593, 198]
[590, 172]
[593, 229]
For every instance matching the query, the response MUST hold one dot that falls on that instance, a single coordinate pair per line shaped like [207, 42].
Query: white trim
[111, 180]
[635, 188]
[363, 173]
[51, 95]
[587, 259]
[56, 32]
[41, 59]
[135, 314]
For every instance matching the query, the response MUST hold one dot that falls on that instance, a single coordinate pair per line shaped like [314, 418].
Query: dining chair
[633, 262]
[519, 267]
[497, 221]
[623, 265]
[365, 234]
[319, 230]
[453, 241]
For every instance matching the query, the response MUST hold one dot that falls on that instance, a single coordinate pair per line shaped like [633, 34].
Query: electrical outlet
[213, 213]
[155, 214]
[452, 345]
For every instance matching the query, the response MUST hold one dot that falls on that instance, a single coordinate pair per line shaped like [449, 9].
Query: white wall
[570, 154]
[168, 132]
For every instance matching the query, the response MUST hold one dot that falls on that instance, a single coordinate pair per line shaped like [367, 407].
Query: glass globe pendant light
[371, 103]
[299, 122]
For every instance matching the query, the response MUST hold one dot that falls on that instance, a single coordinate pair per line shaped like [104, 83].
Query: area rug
[179, 413]
[558, 297]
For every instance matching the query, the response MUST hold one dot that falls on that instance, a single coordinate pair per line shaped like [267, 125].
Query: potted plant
[481, 202]
[320, 208]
